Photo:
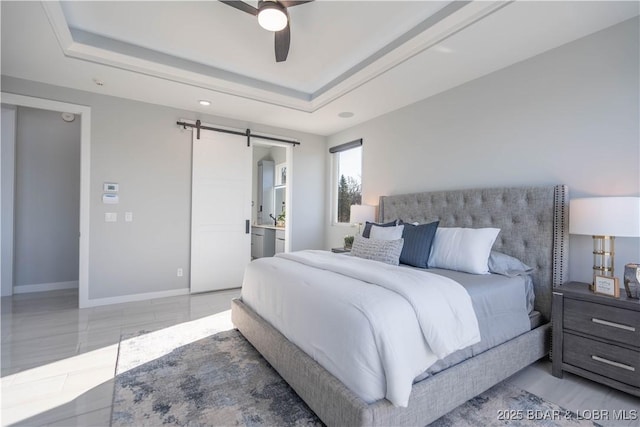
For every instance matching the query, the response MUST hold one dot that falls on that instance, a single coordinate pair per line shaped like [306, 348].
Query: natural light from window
[65, 381]
[348, 182]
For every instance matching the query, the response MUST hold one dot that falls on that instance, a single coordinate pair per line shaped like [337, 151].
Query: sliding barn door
[221, 207]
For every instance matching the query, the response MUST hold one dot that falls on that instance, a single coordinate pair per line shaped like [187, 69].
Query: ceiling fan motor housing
[273, 16]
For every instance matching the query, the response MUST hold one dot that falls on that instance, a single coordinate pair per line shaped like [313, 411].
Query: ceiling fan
[273, 16]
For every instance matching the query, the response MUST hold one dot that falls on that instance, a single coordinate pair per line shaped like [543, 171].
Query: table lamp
[604, 218]
[360, 214]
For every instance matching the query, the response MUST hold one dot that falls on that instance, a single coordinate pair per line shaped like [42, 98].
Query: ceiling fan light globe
[271, 17]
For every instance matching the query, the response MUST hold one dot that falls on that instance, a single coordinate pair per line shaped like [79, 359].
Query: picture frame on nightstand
[604, 285]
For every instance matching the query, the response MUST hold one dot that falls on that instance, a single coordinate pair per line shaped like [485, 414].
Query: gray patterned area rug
[178, 377]
[507, 405]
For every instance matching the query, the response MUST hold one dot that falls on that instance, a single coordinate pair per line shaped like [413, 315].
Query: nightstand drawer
[603, 359]
[602, 321]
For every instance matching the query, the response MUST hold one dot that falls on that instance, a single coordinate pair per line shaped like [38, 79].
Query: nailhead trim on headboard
[561, 236]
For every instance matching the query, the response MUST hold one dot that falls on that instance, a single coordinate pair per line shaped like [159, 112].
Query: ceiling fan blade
[282, 39]
[240, 5]
[292, 3]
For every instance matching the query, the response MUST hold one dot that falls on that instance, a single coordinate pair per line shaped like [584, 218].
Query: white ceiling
[365, 57]
[325, 39]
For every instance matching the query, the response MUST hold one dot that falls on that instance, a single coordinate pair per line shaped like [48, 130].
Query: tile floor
[58, 362]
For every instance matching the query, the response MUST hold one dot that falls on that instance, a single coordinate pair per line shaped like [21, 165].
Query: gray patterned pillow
[387, 251]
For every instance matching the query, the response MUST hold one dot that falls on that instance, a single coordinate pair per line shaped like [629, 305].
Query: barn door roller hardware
[198, 126]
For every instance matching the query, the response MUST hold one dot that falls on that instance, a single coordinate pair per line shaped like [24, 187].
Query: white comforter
[373, 326]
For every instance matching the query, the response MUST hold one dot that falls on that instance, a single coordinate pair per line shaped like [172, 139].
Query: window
[347, 179]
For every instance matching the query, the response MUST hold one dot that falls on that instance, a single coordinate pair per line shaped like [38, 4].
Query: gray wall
[139, 146]
[7, 168]
[47, 198]
[567, 116]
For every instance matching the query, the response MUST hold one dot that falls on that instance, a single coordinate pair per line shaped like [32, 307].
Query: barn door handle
[246, 227]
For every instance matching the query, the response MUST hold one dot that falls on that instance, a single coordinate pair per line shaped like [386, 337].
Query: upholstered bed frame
[533, 223]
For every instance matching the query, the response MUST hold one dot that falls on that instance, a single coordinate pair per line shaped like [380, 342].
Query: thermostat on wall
[110, 187]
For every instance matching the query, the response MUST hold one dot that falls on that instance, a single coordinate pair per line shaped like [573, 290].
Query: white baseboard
[43, 287]
[134, 297]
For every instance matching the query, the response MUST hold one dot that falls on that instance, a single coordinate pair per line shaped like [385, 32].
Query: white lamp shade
[362, 213]
[605, 216]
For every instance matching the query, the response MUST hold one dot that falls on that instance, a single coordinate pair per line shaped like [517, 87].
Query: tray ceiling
[365, 57]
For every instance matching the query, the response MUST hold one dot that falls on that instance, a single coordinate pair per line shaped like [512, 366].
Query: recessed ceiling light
[204, 102]
[345, 114]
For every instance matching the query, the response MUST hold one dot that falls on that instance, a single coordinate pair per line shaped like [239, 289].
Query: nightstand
[596, 337]
[340, 250]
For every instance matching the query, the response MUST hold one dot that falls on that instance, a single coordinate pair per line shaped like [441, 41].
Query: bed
[533, 224]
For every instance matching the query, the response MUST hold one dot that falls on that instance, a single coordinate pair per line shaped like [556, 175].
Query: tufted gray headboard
[533, 224]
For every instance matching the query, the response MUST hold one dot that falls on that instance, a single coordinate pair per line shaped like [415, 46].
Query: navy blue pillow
[367, 227]
[417, 243]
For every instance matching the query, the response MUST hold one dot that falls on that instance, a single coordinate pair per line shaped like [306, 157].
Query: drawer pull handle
[613, 324]
[612, 363]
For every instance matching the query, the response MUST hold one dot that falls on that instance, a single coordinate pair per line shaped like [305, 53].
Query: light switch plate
[110, 199]
[110, 217]
[128, 217]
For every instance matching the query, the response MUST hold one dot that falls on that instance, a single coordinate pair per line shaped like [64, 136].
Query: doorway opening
[29, 198]
[271, 199]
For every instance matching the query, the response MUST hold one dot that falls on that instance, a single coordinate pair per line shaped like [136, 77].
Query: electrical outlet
[180, 272]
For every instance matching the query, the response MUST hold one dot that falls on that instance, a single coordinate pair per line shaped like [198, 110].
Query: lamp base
[603, 257]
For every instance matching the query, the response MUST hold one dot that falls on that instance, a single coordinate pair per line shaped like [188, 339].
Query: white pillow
[386, 233]
[463, 249]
